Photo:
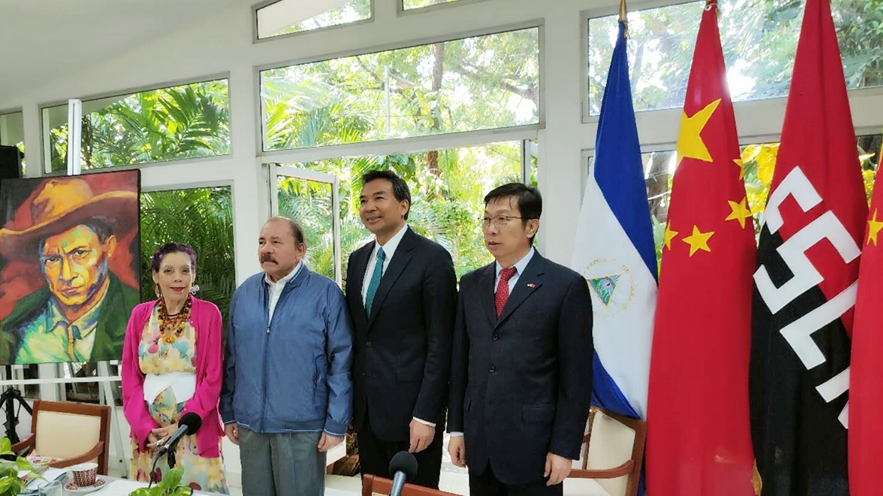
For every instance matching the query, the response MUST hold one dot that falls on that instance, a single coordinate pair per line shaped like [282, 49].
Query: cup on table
[85, 474]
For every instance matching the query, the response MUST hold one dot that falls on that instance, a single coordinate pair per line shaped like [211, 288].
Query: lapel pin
[531, 285]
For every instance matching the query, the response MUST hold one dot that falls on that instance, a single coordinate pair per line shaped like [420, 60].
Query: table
[122, 487]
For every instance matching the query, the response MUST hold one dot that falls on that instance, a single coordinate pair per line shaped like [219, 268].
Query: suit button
[363, 374]
[496, 337]
[369, 344]
[492, 369]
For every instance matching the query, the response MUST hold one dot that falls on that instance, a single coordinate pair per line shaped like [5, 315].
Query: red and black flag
[806, 278]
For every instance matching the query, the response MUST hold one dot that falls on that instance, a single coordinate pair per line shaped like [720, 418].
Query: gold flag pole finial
[623, 18]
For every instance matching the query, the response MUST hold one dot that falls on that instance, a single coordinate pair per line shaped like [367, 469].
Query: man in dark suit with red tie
[521, 370]
[402, 295]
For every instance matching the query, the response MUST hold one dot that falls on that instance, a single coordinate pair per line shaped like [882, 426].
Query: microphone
[403, 466]
[189, 424]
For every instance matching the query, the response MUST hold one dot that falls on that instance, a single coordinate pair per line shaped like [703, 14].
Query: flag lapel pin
[531, 285]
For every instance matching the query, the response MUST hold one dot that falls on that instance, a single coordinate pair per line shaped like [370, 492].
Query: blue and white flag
[614, 251]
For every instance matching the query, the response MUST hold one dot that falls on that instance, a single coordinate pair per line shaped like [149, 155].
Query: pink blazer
[206, 321]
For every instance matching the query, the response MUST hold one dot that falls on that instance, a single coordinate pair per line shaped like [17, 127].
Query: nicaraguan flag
[614, 251]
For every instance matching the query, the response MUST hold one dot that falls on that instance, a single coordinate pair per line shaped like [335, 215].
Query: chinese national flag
[806, 278]
[699, 440]
[866, 379]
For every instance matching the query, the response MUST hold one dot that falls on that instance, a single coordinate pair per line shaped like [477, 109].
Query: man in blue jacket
[287, 393]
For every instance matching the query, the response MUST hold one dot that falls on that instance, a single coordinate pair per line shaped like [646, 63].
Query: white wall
[223, 45]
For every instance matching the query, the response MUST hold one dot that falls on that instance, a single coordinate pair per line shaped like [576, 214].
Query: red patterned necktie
[502, 293]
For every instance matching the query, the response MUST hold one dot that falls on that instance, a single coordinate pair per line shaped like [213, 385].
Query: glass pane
[201, 218]
[484, 82]
[180, 122]
[759, 161]
[276, 19]
[419, 4]
[447, 192]
[309, 202]
[759, 39]
[12, 133]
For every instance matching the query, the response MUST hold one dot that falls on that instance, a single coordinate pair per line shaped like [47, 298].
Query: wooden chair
[71, 432]
[375, 486]
[613, 451]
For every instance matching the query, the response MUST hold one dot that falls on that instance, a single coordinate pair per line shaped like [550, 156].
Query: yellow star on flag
[690, 144]
[873, 228]
[698, 240]
[669, 235]
[741, 165]
[739, 211]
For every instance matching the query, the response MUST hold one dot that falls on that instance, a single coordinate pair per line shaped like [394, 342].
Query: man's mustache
[266, 257]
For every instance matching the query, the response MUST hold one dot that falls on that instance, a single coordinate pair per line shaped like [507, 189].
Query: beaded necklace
[171, 326]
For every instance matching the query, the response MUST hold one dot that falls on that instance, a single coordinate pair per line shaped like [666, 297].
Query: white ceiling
[45, 39]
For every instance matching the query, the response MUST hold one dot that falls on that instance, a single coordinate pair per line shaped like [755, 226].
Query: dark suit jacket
[403, 350]
[521, 385]
[110, 333]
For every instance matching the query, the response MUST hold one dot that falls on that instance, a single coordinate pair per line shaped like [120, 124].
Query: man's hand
[327, 441]
[457, 450]
[421, 436]
[557, 469]
[232, 431]
[162, 434]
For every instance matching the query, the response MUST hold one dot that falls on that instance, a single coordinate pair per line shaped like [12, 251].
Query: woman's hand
[151, 441]
[163, 433]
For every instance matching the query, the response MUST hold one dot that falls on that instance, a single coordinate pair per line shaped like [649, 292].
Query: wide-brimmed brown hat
[63, 203]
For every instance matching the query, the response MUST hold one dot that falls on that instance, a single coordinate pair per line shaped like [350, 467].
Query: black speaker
[10, 163]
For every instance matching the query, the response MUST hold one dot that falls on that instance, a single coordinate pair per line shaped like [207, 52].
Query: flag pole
[623, 18]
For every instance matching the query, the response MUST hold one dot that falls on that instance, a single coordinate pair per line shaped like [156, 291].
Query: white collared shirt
[275, 288]
[519, 268]
[389, 249]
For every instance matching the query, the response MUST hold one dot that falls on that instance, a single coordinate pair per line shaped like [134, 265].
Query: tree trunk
[657, 185]
[438, 73]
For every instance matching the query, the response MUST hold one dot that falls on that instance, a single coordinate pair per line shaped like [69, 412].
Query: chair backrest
[67, 430]
[613, 440]
[378, 486]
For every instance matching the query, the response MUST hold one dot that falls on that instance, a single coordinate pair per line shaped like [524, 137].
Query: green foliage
[759, 40]
[352, 11]
[482, 82]
[10, 483]
[170, 485]
[189, 121]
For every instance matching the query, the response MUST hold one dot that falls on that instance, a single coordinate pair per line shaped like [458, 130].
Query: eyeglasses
[498, 221]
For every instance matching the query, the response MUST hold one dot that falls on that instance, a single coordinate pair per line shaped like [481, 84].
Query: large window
[180, 122]
[12, 133]
[759, 161]
[447, 192]
[759, 39]
[201, 218]
[288, 16]
[422, 4]
[483, 82]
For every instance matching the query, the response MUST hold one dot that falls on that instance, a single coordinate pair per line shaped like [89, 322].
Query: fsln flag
[805, 282]
[614, 251]
[699, 441]
[866, 377]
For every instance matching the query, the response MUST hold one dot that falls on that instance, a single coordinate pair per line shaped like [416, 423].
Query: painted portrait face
[74, 264]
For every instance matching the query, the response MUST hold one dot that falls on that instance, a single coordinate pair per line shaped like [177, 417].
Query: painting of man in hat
[72, 236]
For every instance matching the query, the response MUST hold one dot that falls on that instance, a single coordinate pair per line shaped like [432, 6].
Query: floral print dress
[155, 356]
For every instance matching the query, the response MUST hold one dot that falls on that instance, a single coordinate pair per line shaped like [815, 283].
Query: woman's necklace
[171, 326]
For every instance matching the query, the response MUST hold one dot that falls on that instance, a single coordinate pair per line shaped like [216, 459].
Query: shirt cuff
[334, 434]
[430, 424]
[455, 434]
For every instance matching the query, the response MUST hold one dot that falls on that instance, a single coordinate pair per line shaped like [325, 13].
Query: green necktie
[375, 280]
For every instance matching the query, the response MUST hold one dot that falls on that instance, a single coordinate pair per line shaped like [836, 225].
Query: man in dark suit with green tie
[402, 295]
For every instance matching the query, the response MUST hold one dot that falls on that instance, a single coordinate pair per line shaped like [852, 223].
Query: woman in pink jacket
[172, 366]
